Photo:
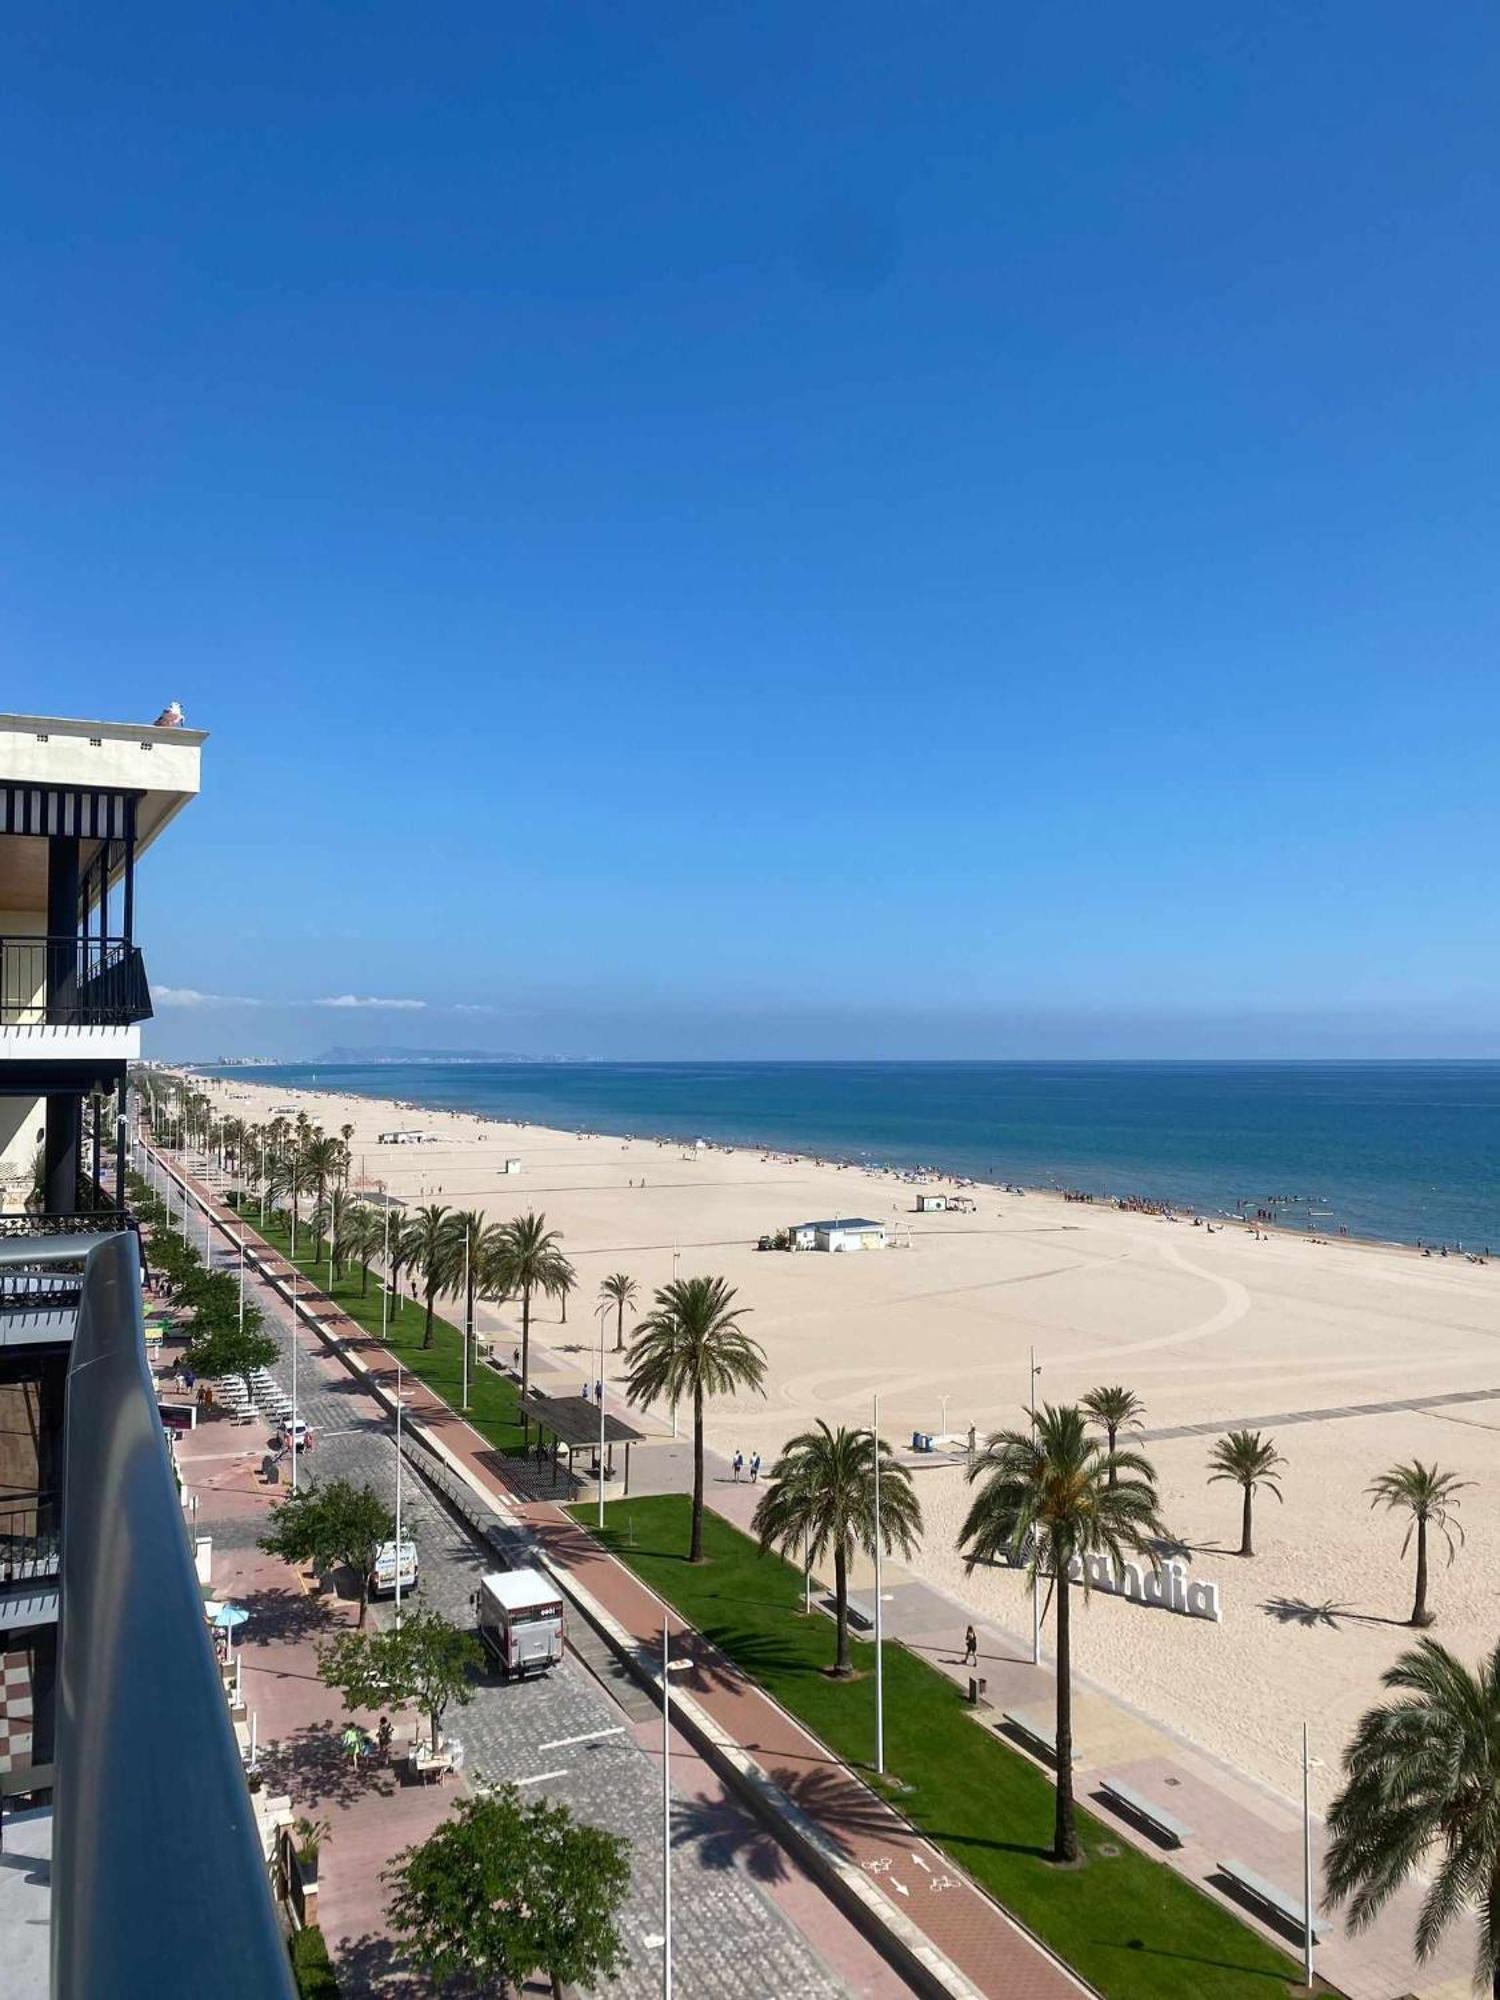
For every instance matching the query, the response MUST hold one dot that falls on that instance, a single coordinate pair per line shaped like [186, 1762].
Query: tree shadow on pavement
[285, 1615]
[723, 1834]
[844, 1809]
[313, 1766]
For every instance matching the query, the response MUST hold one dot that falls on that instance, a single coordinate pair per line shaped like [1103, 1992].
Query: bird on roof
[171, 717]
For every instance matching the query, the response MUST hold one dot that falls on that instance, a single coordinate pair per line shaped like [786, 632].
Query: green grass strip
[494, 1402]
[1130, 1925]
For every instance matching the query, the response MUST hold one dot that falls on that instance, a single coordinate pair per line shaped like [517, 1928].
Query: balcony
[39, 1296]
[72, 982]
[149, 1789]
[30, 1557]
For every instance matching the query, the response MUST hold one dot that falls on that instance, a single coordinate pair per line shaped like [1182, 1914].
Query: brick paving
[747, 1922]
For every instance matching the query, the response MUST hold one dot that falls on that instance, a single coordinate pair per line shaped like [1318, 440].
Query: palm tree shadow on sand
[1302, 1611]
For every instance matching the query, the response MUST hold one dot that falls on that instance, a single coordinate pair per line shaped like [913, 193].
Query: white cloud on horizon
[189, 996]
[472, 1007]
[369, 1000]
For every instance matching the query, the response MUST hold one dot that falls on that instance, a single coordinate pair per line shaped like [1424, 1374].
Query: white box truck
[383, 1576]
[520, 1616]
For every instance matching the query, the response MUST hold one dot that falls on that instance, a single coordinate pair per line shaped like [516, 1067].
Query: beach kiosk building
[850, 1232]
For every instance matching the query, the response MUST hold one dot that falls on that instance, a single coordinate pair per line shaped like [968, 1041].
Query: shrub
[312, 1966]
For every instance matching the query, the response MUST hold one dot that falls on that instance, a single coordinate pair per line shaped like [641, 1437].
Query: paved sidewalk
[1230, 1816]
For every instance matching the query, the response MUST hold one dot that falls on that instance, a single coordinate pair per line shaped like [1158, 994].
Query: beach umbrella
[228, 1616]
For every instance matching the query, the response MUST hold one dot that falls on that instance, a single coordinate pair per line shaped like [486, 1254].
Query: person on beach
[755, 1468]
[739, 1464]
[383, 1738]
[971, 1647]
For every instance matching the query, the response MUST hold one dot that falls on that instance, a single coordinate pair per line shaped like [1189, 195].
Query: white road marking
[541, 1777]
[590, 1736]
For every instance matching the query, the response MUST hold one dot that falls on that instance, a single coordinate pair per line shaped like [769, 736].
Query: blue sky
[774, 531]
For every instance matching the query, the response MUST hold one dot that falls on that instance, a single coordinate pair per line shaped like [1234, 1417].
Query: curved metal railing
[158, 1881]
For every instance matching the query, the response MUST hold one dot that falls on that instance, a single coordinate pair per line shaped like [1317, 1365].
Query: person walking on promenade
[739, 1464]
[971, 1648]
[755, 1468]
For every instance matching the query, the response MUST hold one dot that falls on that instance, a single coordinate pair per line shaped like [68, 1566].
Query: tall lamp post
[294, 1378]
[601, 1313]
[669, 1666]
[1036, 1581]
[879, 1648]
[1309, 1765]
[400, 1404]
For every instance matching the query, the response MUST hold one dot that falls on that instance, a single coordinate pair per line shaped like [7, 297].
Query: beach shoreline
[1368, 1352]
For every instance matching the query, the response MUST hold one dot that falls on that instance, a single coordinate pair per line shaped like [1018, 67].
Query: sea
[1397, 1151]
[1400, 1151]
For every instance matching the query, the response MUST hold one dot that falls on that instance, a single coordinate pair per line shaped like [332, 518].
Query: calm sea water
[1388, 1149]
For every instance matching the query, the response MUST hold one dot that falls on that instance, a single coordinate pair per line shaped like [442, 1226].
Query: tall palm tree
[427, 1245]
[528, 1264]
[1116, 1408]
[1048, 1489]
[822, 1497]
[622, 1291]
[474, 1246]
[363, 1239]
[346, 1133]
[691, 1344]
[564, 1280]
[1245, 1458]
[323, 1159]
[1422, 1794]
[1428, 1495]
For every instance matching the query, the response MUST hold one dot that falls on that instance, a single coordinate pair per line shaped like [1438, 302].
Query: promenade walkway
[1228, 1814]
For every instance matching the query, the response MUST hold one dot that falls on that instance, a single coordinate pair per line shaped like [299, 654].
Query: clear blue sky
[777, 530]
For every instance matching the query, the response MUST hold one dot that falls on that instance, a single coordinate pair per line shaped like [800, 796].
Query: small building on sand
[850, 1232]
[931, 1204]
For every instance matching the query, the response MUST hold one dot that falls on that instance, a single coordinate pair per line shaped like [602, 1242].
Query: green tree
[1116, 1408]
[528, 1263]
[329, 1523]
[1248, 1460]
[621, 1291]
[425, 1244]
[822, 1498]
[564, 1280]
[1430, 1497]
[1421, 1796]
[223, 1349]
[509, 1887]
[1047, 1492]
[429, 1664]
[691, 1344]
[474, 1249]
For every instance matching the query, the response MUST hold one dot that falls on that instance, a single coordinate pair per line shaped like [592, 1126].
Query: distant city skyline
[712, 534]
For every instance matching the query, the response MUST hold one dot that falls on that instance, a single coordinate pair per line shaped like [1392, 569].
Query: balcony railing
[29, 1543]
[149, 1787]
[71, 982]
[93, 1222]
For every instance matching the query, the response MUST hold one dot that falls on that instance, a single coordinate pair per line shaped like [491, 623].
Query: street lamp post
[601, 1313]
[468, 1316]
[385, 1281]
[399, 1405]
[669, 1666]
[879, 1649]
[1036, 1581]
[1309, 1764]
[294, 1378]
[242, 1281]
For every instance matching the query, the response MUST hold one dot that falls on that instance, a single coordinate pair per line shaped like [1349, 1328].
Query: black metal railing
[132, 1807]
[90, 1222]
[72, 982]
[30, 1546]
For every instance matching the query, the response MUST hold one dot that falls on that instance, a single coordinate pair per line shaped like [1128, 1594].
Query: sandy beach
[1209, 1329]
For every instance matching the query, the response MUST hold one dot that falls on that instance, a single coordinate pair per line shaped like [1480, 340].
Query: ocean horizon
[1390, 1150]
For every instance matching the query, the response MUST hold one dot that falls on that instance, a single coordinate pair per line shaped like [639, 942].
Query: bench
[860, 1618]
[1131, 1802]
[1257, 1890]
[1040, 1733]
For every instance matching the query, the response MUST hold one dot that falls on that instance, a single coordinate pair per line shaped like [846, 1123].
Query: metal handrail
[87, 1222]
[72, 982]
[148, 1786]
[29, 1544]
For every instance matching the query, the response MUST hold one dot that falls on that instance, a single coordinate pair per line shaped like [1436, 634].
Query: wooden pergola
[574, 1421]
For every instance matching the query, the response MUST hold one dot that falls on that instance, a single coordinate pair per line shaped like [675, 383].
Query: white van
[520, 1618]
[382, 1581]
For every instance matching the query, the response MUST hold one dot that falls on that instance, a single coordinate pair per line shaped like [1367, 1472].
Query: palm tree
[474, 1247]
[1245, 1458]
[1117, 1409]
[346, 1133]
[426, 1244]
[622, 1291]
[363, 1239]
[1050, 1488]
[323, 1159]
[564, 1280]
[822, 1497]
[1428, 1495]
[691, 1343]
[529, 1263]
[1422, 1794]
